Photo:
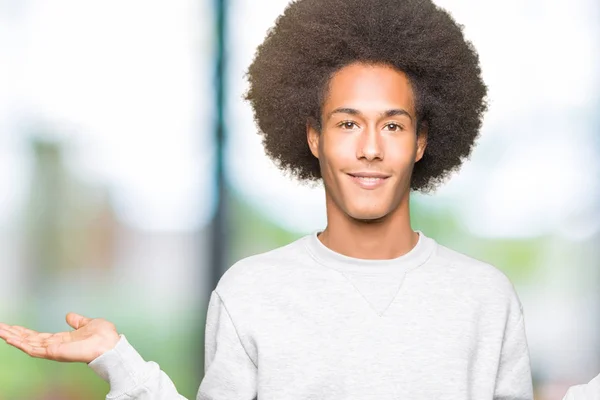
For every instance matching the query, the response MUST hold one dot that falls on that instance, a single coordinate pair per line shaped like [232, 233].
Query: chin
[368, 216]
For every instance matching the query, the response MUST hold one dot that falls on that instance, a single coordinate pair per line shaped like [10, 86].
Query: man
[375, 98]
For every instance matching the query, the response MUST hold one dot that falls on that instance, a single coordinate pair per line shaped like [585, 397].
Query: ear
[421, 141]
[312, 137]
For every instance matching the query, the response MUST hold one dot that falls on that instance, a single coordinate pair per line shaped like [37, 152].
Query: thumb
[77, 321]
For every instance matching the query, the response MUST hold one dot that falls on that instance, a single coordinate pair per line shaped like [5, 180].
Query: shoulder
[260, 270]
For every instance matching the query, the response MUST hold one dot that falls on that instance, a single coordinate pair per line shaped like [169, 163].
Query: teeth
[368, 179]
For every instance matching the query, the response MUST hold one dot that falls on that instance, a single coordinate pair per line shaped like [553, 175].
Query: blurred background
[131, 176]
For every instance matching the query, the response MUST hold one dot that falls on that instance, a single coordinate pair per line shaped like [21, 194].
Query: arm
[514, 381]
[97, 343]
[591, 391]
[230, 373]
[130, 377]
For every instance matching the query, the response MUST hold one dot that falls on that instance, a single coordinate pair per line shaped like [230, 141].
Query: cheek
[339, 150]
[401, 151]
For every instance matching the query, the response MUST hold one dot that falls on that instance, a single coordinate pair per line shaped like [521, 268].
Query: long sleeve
[130, 377]
[514, 380]
[591, 391]
[230, 373]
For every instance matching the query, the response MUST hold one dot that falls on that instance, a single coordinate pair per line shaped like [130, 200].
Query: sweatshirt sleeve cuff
[591, 391]
[122, 367]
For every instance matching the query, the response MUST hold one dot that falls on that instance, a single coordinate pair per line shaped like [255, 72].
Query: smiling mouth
[368, 181]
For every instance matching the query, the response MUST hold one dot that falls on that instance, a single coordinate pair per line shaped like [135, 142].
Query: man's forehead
[368, 88]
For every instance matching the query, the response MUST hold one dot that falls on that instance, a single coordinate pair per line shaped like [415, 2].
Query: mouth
[368, 180]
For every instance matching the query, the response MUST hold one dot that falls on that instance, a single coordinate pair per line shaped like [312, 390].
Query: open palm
[90, 339]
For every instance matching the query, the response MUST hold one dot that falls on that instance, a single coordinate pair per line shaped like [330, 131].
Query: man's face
[368, 143]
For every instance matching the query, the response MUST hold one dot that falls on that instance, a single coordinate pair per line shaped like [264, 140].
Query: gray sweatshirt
[304, 322]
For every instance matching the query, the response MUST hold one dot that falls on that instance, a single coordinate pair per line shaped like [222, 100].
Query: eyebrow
[385, 114]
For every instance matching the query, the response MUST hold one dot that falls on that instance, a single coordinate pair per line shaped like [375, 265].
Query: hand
[90, 339]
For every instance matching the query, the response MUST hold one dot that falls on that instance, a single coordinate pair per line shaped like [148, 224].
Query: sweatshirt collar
[418, 255]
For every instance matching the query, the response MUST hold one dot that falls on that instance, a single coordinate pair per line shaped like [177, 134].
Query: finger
[6, 334]
[9, 331]
[77, 321]
[37, 339]
[33, 351]
[24, 331]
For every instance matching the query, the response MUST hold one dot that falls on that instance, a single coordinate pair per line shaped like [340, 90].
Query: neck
[388, 238]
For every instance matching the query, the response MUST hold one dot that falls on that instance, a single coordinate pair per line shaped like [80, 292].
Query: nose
[370, 146]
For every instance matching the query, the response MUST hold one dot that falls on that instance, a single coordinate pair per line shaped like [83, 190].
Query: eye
[394, 127]
[347, 124]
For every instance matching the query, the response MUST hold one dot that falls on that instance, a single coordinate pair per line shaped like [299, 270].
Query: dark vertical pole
[217, 231]
[219, 226]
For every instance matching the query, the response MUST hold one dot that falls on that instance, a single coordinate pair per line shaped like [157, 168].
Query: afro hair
[313, 39]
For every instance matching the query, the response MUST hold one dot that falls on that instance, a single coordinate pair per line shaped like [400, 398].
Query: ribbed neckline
[415, 257]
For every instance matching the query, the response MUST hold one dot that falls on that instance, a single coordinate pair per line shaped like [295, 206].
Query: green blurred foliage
[177, 351]
[519, 259]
